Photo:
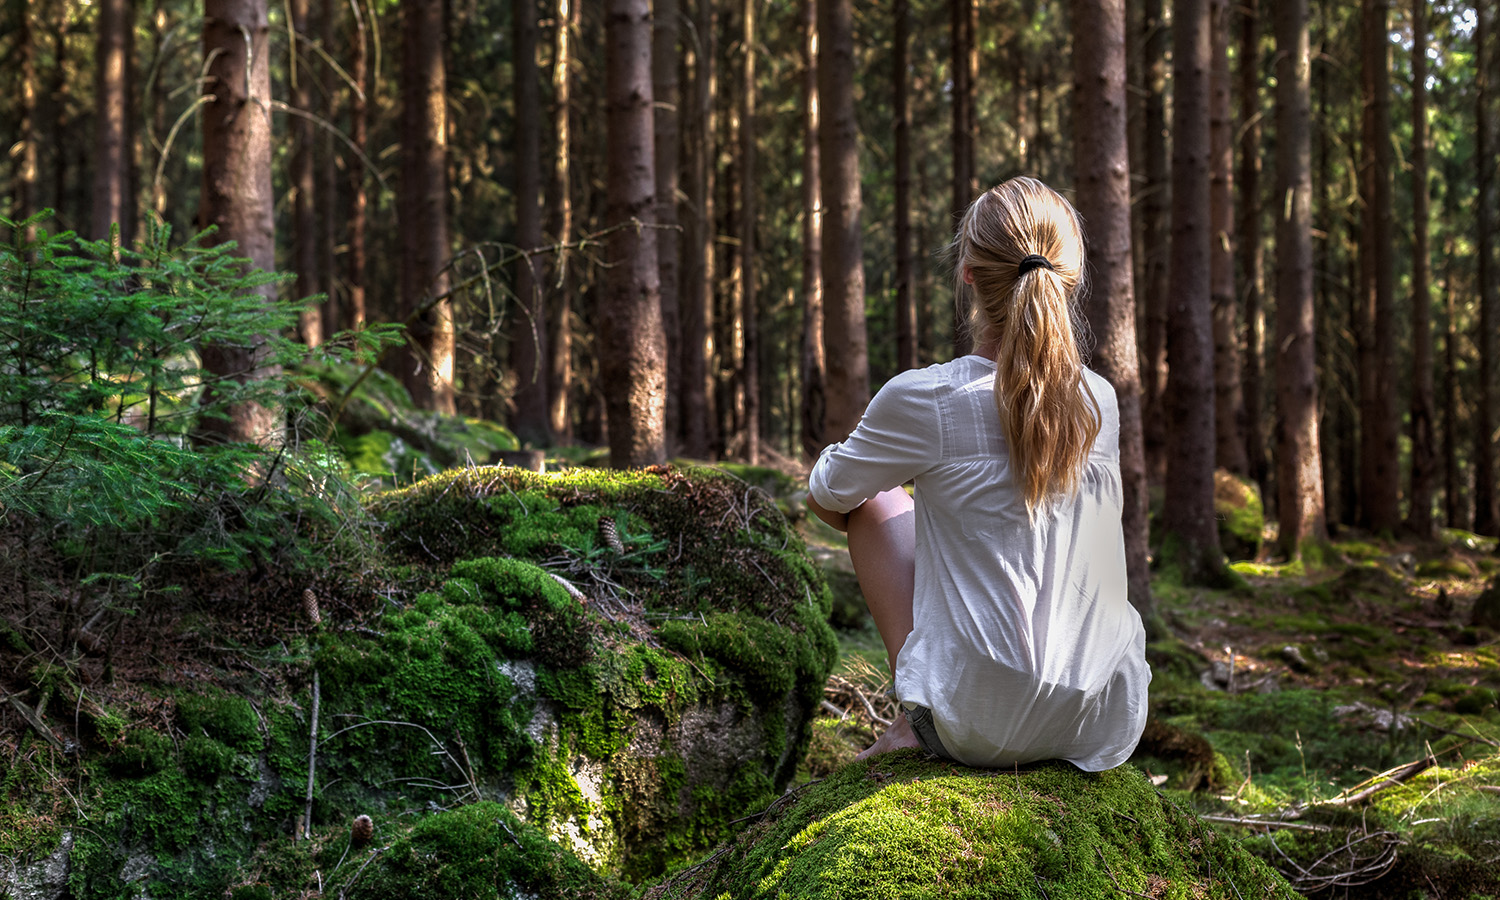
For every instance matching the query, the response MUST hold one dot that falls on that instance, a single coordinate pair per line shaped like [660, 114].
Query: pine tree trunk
[1299, 475]
[1252, 258]
[426, 366]
[632, 348]
[664, 64]
[698, 272]
[1486, 516]
[906, 313]
[331, 207]
[303, 182]
[237, 190]
[354, 272]
[1423, 442]
[1192, 535]
[1380, 475]
[844, 341]
[24, 179]
[113, 204]
[1229, 401]
[1102, 160]
[1155, 206]
[560, 224]
[528, 338]
[812, 360]
[1454, 505]
[961, 15]
[748, 308]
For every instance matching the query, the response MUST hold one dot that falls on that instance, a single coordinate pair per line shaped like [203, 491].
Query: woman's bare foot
[898, 737]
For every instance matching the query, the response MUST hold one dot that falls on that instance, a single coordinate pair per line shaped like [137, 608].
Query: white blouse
[1024, 644]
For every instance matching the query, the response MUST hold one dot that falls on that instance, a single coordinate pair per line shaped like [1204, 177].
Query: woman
[1000, 591]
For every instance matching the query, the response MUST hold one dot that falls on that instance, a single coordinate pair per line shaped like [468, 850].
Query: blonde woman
[1000, 590]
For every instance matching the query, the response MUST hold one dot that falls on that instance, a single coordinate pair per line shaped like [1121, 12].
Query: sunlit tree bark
[1423, 440]
[528, 338]
[113, 126]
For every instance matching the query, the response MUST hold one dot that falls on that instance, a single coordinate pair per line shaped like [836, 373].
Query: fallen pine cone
[361, 831]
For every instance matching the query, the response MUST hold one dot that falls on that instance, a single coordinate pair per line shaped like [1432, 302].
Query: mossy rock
[1486, 613]
[901, 826]
[1241, 516]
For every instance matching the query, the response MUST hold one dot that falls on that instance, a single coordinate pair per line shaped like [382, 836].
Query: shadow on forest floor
[1341, 722]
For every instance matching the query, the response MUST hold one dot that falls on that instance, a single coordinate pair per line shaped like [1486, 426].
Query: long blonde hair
[1049, 415]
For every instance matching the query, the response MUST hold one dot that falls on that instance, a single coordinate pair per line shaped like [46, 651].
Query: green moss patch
[901, 826]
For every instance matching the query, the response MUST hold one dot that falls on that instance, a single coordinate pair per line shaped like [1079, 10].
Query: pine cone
[310, 607]
[361, 831]
[611, 534]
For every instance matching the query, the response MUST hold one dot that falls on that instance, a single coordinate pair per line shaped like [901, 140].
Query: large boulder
[624, 662]
[900, 826]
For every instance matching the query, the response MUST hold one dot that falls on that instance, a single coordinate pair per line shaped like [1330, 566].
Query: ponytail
[1021, 246]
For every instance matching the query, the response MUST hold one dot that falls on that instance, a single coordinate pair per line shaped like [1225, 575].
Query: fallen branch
[312, 760]
[1250, 822]
[1386, 779]
[35, 721]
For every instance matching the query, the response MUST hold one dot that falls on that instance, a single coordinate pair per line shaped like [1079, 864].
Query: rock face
[623, 662]
[899, 826]
[1240, 513]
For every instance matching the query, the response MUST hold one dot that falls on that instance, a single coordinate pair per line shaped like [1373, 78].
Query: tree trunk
[697, 286]
[664, 63]
[23, 181]
[906, 312]
[528, 338]
[1423, 442]
[1252, 259]
[1453, 492]
[113, 204]
[1486, 516]
[1155, 205]
[354, 274]
[560, 223]
[844, 341]
[426, 366]
[812, 363]
[1229, 400]
[331, 207]
[749, 374]
[1102, 160]
[632, 351]
[302, 178]
[1380, 475]
[965, 184]
[237, 191]
[1188, 516]
[1299, 475]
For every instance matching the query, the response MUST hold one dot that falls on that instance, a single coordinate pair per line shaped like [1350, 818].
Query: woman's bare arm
[835, 519]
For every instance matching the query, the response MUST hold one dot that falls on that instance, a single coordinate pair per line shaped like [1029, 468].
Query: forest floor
[1283, 707]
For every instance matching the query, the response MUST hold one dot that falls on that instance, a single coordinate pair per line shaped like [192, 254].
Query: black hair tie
[1033, 261]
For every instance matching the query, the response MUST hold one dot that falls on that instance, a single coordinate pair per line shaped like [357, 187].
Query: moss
[144, 752]
[1445, 568]
[1241, 518]
[899, 826]
[480, 852]
[205, 759]
[227, 718]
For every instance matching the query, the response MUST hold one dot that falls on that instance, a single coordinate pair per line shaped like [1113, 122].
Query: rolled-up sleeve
[898, 438]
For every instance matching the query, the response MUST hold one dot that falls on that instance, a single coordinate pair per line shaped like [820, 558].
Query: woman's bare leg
[882, 546]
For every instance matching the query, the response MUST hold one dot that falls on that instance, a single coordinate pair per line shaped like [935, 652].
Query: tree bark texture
[560, 223]
[632, 355]
[844, 340]
[906, 312]
[1299, 474]
[303, 179]
[1380, 474]
[1188, 516]
[1251, 255]
[665, 60]
[528, 338]
[699, 238]
[355, 312]
[748, 293]
[112, 201]
[237, 191]
[1454, 505]
[426, 367]
[1486, 515]
[812, 359]
[24, 175]
[1229, 400]
[1102, 160]
[1155, 230]
[1419, 518]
